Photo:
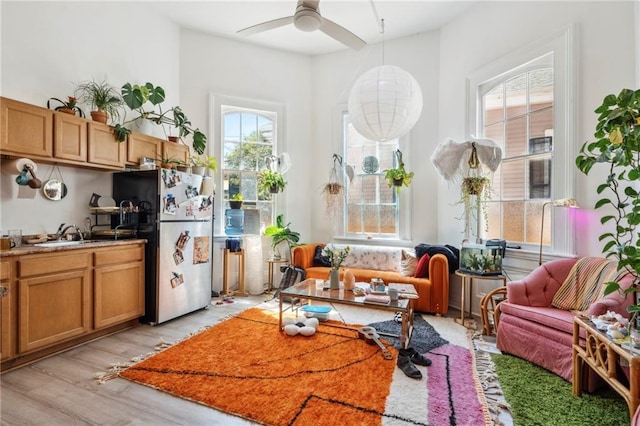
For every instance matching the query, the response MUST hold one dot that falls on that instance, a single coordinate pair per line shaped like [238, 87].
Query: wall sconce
[562, 202]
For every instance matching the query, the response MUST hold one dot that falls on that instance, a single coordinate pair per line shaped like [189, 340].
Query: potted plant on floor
[271, 182]
[70, 106]
[398, 176]
[281, 233]
[618, 146]
[103, 98]
[137, 97]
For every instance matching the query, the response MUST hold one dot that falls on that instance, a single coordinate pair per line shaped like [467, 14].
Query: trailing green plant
[281, 232]
[137, 97]
[398, 176]
[617, 145]
[71, 104]
[101, 96]
[268, 181]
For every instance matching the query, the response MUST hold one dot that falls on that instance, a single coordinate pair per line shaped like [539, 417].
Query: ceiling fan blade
[269, 25]
[341, 34]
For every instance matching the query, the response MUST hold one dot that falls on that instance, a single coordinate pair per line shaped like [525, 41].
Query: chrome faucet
[62, 230]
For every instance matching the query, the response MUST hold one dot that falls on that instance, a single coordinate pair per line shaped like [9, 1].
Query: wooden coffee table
[603, 356]
[307, 290]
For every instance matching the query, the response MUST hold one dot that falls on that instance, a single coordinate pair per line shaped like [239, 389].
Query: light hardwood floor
[62, 390]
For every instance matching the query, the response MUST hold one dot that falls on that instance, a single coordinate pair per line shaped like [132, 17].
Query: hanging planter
[398, 176]
[270, 181]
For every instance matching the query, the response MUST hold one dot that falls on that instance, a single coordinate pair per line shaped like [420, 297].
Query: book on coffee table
[377, 298]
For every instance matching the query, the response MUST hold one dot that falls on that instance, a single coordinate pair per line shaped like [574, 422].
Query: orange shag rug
[245, 366]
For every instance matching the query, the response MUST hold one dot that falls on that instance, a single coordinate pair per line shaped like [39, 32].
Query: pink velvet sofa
[532, 329]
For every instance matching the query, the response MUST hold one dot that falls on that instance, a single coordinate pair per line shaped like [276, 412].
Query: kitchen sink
[59, 243]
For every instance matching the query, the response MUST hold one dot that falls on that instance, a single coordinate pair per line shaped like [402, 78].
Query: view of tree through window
[371, 205]
[247, 139]
[517, 113]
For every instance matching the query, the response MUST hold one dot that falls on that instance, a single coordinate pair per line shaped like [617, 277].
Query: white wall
[48, 47]
[333, 76]
[213, 65]
[605, 64]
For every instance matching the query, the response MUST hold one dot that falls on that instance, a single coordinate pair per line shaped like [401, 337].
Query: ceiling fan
[307, 18]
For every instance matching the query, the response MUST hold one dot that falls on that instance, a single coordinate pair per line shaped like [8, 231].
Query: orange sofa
[433, 291]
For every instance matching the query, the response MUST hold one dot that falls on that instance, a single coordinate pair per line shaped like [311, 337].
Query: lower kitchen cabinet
[7, 311]
[58, 300]
[116, 299]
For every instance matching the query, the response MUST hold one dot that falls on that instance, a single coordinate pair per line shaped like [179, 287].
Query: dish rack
[124, 221]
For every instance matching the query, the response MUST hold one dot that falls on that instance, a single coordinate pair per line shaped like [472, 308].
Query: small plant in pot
[270, 181]
[70, 106]
[235, 202]
[103, 98]
[200, 164]
[398, 176]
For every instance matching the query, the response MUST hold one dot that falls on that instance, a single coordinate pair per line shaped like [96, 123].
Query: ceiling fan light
[385, 103]
[307, 20]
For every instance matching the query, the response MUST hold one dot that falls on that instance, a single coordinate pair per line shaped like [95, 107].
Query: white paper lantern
[385, 103]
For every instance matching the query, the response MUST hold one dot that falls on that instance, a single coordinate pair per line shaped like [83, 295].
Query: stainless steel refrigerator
[179, 228]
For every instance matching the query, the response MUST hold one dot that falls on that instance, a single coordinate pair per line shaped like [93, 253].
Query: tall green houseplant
[618, 146]
[136, 98]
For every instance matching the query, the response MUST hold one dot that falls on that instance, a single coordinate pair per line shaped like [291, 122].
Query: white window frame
[216, 102]
[564, 143]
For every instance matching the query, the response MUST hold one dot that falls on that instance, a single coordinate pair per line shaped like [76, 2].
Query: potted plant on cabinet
[136, 98]
[398, 176]
[68, 107]
[281, 233]
[270, 181]
[199, 164]
[103, 98]
[618, 146]
[235, 202]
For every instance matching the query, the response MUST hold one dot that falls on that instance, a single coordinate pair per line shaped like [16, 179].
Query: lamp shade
[385, 103]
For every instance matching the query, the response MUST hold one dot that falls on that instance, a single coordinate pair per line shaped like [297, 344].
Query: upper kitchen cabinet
[70, 137]
[141, 145]
[25, 129]
[175, 151]
[104, 149]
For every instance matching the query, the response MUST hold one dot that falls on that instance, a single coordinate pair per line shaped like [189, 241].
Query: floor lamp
[563, 202]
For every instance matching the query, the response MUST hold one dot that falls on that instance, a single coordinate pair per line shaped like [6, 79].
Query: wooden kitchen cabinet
[177, 151]
[7, 311]
[54, 298]
[118, 285]
[25, 129]
[141, 145]
[69, 137]
[103, 147]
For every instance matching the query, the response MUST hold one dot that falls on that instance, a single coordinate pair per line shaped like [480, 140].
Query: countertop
[32, 249]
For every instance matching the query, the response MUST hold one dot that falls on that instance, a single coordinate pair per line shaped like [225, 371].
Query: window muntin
[371, 207]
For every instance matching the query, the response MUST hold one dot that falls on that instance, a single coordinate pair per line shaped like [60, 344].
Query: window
[521, 102]
[248, 135]
[517, 113]
[371, 206]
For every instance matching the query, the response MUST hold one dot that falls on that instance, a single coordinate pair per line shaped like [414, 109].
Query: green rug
[538, 397]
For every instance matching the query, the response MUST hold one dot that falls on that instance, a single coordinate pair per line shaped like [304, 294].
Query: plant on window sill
[618, 145]
[136, 97]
